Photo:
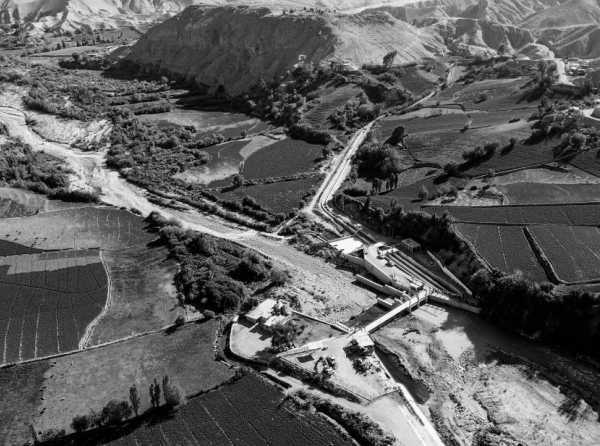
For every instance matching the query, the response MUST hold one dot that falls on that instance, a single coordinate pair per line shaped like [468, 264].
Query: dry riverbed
[482, 386]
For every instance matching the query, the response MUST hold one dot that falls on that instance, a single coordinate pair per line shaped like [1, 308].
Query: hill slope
[236, 46]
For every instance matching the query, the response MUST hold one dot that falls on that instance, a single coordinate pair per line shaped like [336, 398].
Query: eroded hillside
[236, 46]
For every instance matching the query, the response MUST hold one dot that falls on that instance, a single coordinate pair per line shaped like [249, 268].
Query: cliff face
[236, 46]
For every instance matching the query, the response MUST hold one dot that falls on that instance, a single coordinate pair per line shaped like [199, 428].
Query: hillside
[472, 36]
[236, 46]
[74, 14]
[569, 13]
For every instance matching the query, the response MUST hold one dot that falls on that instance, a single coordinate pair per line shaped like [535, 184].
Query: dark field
[588, 162]
[283, 196]
[14, 249]
[505, 248]
[565, 214]
[47, 309]
[21, 390]
[520, 156]
[538, 193]
[574, 251]
[453, 121]
[246, 413]
[286, 157]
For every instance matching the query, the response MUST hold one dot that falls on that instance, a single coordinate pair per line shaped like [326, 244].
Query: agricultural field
[330, 98]
[50, 299]
[565, 214]
[56, 390]
[505, 248]
[247, 412]
[573, 251]
[588, 162]
[280, 197]
[77, 228]
[488, 95]
[281, 159]
[549, 193]
[230, 125]
[143, 296]
[11, 209]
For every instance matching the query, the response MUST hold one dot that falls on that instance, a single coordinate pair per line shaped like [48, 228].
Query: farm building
[268, 313]
[409, 245]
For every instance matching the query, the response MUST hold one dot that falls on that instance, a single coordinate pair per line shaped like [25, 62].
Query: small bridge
[411, 303]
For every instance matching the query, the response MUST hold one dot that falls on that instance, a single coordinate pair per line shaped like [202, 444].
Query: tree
[284, 336]
[171, 393]
[388, 59]
[238, 180]
[115, 412]
[134, 399]
[80, 423]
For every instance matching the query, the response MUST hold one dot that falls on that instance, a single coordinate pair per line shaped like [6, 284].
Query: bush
[80, 423]
[115, 412]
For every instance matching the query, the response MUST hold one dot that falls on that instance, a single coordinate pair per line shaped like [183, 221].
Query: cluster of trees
[571, 319]
[479, 154]
[214, 274]
[118, 411]
[354, 113]
[150, 156]
[154, 150]
[282, 102]
[284, 336]
[374, 160]
[83, 62]
[362, 428]
[21, 167]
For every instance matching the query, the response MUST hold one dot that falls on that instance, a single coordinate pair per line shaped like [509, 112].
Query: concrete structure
[347, 245]
[409, 245]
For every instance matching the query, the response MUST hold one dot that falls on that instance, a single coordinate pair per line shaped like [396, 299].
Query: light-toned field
[77, 228]
[76, 384]
[472, 378]
[143, 295]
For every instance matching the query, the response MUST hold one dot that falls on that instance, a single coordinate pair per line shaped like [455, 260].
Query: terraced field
[248, 412]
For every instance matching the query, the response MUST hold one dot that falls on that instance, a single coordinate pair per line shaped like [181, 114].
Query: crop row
[505, 248]
[247, 412]
[39, 322]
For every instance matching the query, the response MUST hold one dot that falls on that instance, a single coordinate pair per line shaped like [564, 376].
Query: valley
[305, 223]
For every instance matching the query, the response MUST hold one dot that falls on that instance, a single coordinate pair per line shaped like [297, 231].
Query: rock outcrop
[234, 47]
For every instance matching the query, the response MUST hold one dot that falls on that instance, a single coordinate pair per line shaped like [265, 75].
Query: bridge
[411, 303]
